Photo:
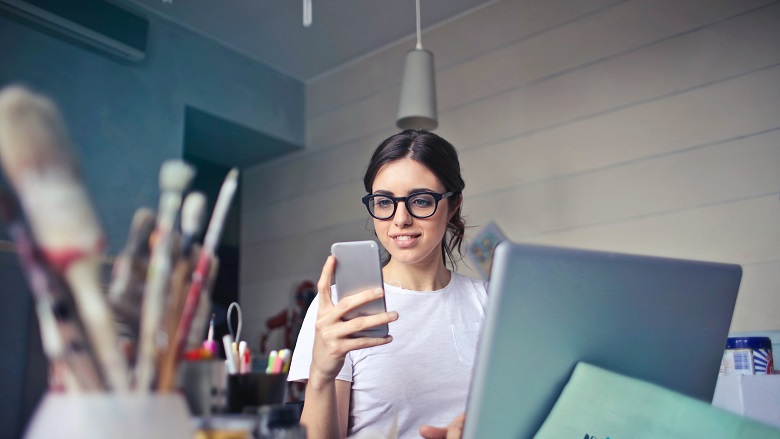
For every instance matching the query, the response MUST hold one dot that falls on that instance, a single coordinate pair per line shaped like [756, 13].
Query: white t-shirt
[423, 375]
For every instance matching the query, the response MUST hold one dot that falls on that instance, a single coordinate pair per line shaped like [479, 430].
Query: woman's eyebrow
[411, 191]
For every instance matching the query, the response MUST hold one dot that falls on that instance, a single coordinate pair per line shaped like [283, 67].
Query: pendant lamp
[417, 106]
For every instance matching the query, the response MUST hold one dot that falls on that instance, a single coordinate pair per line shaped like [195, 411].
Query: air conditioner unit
[97, 24]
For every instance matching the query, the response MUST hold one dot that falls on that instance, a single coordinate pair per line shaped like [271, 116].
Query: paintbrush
[192, 215]
[203, 273]
[201, 318]
[125, 293]
[175, 176]
[37, 159]
[62, 337]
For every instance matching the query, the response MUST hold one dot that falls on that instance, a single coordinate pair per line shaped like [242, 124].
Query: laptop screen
[661, 320]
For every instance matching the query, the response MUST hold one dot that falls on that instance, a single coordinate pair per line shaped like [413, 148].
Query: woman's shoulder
[462, 281]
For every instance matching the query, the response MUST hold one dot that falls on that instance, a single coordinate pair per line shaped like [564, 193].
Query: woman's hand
[332, 339]
[452, 431]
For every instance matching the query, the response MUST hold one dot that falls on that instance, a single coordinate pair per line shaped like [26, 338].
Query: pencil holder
[248, 391]
[104, 415]
[203, 384]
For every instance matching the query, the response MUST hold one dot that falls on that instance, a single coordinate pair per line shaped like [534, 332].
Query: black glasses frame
[436, 196]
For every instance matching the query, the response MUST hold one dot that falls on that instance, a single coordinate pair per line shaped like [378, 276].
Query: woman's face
[410, 240]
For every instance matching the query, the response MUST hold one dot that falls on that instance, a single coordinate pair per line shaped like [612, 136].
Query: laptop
[661, 320]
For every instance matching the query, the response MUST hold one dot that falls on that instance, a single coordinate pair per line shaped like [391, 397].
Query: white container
[111, 415]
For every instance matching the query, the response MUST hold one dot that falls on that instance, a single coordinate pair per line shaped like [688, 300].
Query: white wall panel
[484, 30]
[548, 53]
[305, 173]
[593, 41]
[299, 254]
[689, 120]
[759, 281]
[312, 211]
[739, 232]
[704, 176]
[645, 126]
[362, 118]
[568, 99]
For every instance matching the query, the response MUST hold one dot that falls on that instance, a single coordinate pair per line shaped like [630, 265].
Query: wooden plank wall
[643, 126]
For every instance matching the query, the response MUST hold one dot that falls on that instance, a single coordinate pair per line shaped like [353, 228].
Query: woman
[420, 373]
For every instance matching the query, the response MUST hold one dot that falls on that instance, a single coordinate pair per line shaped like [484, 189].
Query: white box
[752, 396]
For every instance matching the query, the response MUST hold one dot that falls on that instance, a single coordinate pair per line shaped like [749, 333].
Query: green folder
[599, 404]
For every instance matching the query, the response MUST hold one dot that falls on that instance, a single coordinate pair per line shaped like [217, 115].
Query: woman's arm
[326, 406]
[326, 409]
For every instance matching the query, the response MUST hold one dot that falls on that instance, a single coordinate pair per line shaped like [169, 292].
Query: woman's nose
[402, 216]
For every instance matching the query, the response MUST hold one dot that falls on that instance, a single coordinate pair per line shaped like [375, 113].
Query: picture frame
[481, 247]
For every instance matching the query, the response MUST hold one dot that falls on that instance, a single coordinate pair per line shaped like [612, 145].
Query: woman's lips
[404, 241]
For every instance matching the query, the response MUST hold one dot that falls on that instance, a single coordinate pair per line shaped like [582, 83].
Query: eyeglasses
[420, 205]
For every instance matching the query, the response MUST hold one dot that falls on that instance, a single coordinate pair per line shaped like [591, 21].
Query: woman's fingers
[323, 285]
[431, 432]
[353, 344]
[349, 327]
[452, 431]
[332, 339]
[337, 348]
[349, 303]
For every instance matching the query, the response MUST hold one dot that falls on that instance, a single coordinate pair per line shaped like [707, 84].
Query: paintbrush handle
[221, 208]
[175, 176]
[202, 273]
[36, 157]
[64, 342]
[125, 292]
[93, 309]
[199, 276]
[61, 334]
[179, 283]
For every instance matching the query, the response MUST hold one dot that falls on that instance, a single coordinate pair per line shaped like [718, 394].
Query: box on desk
[753, 396]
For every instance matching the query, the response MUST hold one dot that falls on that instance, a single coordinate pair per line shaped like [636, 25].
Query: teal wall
[125, 120]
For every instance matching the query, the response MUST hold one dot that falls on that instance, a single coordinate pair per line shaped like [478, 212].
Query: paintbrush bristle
[192, 213]
[32, 133]
[175, 175]
[36, 156]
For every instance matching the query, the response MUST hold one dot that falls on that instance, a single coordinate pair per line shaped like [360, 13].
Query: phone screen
[358, 269]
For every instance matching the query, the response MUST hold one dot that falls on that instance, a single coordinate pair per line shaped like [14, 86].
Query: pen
[271, 360]
[278, 363]
[243, 355]
[287, 357]
[236, 358]
[209, 343]
[247, 360]
[227, 343]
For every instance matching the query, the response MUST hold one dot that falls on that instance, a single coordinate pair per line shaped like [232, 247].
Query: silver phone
[358, 269]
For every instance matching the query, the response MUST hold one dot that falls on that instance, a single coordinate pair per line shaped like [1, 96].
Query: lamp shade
[417, 107]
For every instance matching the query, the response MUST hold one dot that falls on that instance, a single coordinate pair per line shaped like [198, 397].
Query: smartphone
[358, 269]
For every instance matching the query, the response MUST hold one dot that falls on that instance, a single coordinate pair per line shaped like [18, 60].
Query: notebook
[661, 320]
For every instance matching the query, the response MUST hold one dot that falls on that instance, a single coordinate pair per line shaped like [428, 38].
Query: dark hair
[440, 157]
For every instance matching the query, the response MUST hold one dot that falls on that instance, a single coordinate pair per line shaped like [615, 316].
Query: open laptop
[661, 320]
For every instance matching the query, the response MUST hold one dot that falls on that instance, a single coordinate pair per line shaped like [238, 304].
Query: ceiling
[272, 31]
